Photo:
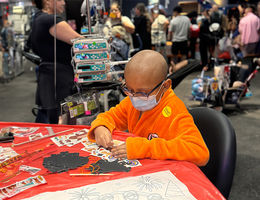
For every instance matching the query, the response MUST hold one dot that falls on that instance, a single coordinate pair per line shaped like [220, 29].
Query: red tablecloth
[187, 173]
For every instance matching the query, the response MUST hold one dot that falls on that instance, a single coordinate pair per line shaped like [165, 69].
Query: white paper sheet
[156, 186]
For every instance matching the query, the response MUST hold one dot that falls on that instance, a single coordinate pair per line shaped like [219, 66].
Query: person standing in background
[204, 36]
[158, 30]
[142, 22]
[53, 85]
[118, 25]
[1, 59]
[7, 36]
[179, 34]
[119, 29]
[258, 9]
[241, 9]
[258, 14]
[194, 33]
[233, 33]
[218, 27]
[249, 27]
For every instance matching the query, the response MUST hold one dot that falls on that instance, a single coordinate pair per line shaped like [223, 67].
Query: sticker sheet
[70, 139]
[15, 188]
[6, 153]
[105, 154]
[29, 169]
[35, 136]
[20, 131]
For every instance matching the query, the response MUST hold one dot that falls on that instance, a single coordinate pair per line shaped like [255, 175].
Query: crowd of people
[151, 110]
[231, 33]
[163, 127]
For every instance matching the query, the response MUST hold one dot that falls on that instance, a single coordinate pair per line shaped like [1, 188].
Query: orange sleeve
[187, 143]
[115, 118]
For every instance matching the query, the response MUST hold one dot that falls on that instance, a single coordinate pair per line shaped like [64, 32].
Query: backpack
[215, 25]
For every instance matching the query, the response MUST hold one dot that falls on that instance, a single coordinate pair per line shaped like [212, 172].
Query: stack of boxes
[91, 64]
[91, 58]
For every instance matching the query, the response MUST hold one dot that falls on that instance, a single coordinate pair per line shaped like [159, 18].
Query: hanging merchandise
[81, 108]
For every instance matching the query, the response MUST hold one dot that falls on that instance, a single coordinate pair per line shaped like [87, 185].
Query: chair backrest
[179, 75]
[220, 138]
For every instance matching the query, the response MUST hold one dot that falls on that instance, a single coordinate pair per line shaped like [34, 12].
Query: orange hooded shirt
[165, 132]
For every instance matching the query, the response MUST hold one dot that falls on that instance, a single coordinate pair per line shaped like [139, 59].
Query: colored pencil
[91, 174]
[42, 137]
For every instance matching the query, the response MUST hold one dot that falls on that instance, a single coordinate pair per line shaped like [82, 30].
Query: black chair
[220, 138]
[192, 66]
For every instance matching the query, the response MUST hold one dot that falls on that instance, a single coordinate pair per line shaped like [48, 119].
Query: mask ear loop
[162, 92]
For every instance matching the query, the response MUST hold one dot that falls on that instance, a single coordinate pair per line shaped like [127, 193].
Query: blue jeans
[5, 64]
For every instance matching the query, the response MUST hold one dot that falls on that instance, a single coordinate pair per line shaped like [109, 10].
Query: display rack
[94, 76]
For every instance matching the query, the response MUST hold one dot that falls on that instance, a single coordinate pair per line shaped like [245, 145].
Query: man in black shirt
[51, 40]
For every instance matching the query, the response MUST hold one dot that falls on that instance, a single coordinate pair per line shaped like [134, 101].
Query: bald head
[148, 66]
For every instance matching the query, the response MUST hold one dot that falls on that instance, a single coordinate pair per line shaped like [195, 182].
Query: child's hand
[103, 137]
[119, 151]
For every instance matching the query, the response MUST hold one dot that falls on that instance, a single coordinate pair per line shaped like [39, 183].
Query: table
[189, 174]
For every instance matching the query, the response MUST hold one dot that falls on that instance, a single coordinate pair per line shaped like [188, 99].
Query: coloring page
[158, 186]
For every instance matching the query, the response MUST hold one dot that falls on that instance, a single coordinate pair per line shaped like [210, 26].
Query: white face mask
[143, 103]
[156, 11]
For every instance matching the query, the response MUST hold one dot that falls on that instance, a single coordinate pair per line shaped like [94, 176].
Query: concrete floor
[17, 101]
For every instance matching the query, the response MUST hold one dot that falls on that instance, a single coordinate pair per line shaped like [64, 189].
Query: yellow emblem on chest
[167, 111]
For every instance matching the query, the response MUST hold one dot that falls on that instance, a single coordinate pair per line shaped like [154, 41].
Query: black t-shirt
[141, 28]
[43, 42]
[204, 33]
